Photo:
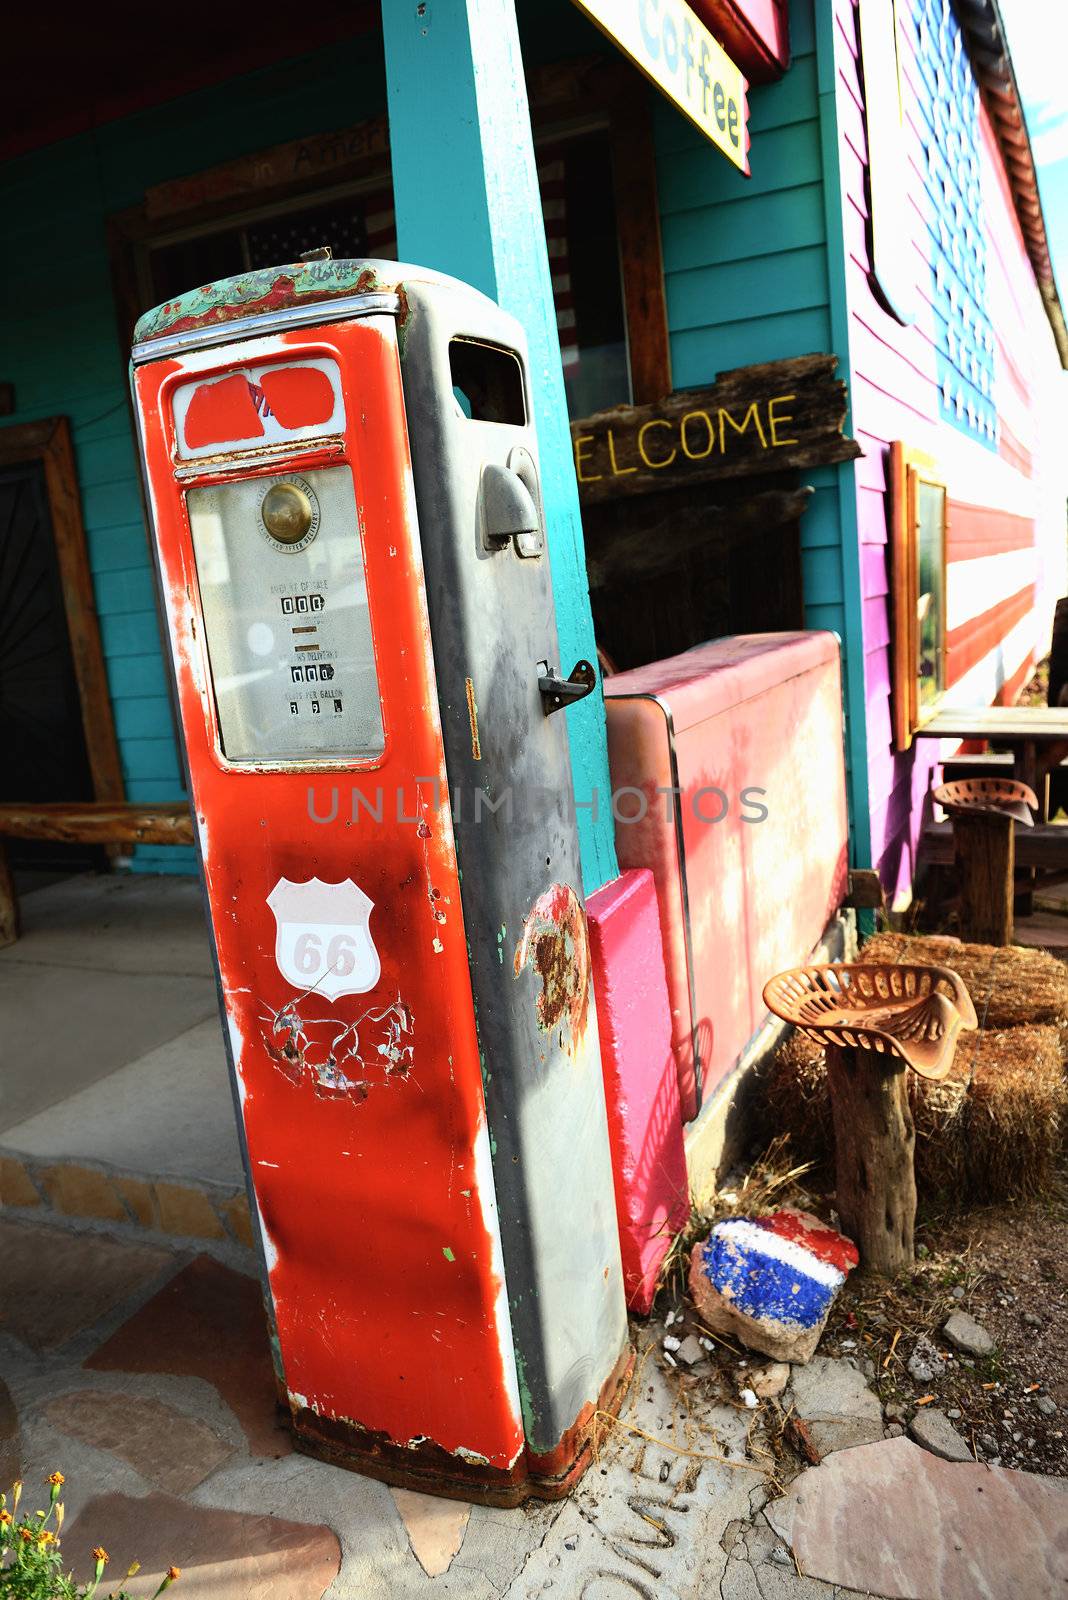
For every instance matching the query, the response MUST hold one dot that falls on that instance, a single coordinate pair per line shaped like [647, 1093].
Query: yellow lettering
[740, 427]
[585, 477]
[657, 422]
[697, 455]
[774, 421]
[617, 470]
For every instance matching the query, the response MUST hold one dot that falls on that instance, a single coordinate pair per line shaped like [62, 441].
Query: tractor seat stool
[983, 811]
[874, 1021]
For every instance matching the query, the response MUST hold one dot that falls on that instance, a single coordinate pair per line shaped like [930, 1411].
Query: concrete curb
[94, 1192]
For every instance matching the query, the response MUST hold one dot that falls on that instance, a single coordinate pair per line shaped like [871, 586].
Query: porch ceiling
[73, 79]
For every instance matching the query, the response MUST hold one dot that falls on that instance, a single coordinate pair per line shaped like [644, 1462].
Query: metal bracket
[557, 692]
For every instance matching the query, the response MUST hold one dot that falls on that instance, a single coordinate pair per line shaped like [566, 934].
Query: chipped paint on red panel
[363, 1111]
[222, 411]
[300, 397]
[555, 944]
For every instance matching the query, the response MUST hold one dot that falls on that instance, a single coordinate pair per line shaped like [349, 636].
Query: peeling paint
[556, 945]
[300, 1056]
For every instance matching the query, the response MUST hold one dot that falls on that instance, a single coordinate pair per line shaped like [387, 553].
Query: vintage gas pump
[343, 480]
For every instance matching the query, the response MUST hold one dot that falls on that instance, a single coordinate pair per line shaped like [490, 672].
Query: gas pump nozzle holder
[405, 988]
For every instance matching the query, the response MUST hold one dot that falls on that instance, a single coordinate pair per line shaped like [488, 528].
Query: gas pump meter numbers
[289, 514]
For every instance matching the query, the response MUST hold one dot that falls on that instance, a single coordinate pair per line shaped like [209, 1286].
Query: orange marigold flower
[5, 1517]
[26, 1534]
[174, 1573]
[101, 1555]
[56, 1477]
[46, 1537]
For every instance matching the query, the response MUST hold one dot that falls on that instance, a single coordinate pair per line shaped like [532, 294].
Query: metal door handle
[557, 692]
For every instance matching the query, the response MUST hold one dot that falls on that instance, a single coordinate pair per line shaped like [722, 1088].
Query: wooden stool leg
[874, 1143]
[984, 848]
[9, 905]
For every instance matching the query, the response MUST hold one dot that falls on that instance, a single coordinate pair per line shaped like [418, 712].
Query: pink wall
[1006, 540]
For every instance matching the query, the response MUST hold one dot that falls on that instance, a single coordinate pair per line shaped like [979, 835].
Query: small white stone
[670, 1318]
[749, 1399]
[671, 1343]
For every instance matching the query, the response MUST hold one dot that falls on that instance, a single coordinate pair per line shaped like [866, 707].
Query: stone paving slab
[207, 1322]
[894, 1520]
[224, 1556]
[57, 1284]
[171, 1450]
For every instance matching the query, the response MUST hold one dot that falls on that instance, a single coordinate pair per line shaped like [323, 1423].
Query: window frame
[909, 468]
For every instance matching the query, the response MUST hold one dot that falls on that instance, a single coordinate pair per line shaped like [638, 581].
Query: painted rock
[770, 1281]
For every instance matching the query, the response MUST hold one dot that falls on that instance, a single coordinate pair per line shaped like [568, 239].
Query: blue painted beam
[465, 188]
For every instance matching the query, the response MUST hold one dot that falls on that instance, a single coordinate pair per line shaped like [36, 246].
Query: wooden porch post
[467, 202]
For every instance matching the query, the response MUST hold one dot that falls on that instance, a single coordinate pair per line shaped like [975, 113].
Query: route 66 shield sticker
[324, 938]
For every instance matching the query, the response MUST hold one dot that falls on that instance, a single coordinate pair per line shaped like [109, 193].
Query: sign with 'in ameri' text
[673, 47]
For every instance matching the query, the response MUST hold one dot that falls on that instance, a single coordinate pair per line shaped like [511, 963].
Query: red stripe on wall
[974, 531]
[968, 644]
[1012, 686]
[1012, 451]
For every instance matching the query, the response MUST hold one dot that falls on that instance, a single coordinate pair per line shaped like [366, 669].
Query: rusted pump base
[432, 1470]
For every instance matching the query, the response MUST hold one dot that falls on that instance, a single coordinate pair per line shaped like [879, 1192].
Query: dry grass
[772, 1181]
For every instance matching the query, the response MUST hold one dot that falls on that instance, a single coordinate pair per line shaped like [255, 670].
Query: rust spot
[282, 293]
[320, 1049]
[472, 714]
[555, 944]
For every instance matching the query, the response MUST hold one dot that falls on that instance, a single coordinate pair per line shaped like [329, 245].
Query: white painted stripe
[750, 1237]
[980, 477]
[976, 586]
[981, 683]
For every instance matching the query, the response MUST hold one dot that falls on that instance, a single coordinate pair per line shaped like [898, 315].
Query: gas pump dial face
[289, 513]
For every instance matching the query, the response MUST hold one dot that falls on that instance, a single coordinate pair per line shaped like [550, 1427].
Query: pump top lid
[286, 289]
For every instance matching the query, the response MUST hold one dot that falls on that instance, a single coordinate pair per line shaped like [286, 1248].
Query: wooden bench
[91, 822]
[1044, 846]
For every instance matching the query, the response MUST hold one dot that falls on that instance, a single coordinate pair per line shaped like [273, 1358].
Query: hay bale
[990, 1130]
[1010, 986]
[1017, 1108]
[796, 1100]
[938, 1111]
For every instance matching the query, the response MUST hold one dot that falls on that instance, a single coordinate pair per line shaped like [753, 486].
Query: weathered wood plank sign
[763, 418]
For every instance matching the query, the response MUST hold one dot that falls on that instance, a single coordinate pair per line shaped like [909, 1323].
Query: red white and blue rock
[770, 1281]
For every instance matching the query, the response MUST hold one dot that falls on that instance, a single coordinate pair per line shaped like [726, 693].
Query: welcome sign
[673, 47]
[765, 418]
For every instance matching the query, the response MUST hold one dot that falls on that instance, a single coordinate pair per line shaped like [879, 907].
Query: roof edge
[987, 44]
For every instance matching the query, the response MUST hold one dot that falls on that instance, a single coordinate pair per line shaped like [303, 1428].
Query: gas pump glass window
[284, 599]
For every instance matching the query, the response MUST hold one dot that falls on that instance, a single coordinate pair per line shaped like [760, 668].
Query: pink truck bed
[730, 758]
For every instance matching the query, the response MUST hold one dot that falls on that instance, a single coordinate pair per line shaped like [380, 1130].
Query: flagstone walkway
[142, 1372]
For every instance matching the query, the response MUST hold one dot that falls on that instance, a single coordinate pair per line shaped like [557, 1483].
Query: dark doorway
[41, 731]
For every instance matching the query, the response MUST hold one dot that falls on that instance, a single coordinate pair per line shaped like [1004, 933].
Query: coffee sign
[688, 64]
[752, 420]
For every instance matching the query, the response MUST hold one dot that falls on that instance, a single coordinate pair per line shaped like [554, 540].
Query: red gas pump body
[343, 960]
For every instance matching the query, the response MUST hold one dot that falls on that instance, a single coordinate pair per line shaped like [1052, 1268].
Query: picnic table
[1024, 729]
[1037, 737]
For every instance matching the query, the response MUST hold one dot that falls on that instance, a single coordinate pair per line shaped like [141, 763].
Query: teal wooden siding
[745, 266]
[61, 349]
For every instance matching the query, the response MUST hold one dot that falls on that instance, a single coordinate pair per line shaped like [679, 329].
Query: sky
[1038, 40]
